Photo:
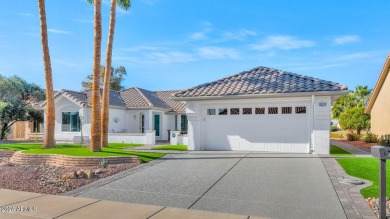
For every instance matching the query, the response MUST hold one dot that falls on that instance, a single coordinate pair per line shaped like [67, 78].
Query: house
[379, 103]
[136, 115]
[262, 109]
[26, 130]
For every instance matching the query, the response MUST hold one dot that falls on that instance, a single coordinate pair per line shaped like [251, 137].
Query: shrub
[334, 128]
[385, 140]
[353, 137]
[371, 138]
[336, 135]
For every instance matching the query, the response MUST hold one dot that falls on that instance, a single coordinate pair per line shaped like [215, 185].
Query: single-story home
[379, 103]
[136, 115]
[262, 109]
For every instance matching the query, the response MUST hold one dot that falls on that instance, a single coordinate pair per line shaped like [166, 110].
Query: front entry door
[157, 124]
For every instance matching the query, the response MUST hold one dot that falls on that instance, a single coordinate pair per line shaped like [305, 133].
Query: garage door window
[286, 110]
[247, 111]
[260, 110]
[222, 111]
[272, 110]
[211, 112]
[300, 110]
[235, 111]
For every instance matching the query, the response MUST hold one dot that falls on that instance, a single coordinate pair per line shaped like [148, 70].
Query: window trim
[70, 124]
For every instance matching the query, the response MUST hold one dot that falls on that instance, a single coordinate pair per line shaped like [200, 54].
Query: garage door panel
[273, 133]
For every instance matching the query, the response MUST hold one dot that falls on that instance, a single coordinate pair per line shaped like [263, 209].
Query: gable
[383, 81]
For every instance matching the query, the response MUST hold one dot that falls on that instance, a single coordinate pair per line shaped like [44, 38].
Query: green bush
[334, 128]
[371, 138]
[353, 137]
[385, 140]
[336, 135]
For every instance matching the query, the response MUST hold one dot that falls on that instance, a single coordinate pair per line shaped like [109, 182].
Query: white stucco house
[136, 115]
[262, 109]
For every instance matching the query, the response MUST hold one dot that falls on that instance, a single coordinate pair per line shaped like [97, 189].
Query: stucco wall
[316, 123]
[380, 113]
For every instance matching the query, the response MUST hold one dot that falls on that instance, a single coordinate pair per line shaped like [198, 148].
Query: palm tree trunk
[49, 141]
[107, 78]
[95, 121]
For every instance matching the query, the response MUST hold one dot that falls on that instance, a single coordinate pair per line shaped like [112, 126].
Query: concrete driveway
[266, 185]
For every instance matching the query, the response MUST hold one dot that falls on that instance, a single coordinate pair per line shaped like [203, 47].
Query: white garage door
[271, 128]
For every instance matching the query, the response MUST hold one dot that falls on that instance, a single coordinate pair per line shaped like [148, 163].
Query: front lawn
[113, 149]
[336, 151]
[172, 147]
[366, 168]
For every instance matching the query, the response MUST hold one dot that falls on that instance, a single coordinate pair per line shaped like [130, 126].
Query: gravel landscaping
[374, 204]
[49, 179]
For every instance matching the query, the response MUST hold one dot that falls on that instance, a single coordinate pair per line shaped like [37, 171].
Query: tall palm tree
[125, 5]
[95, 121]
[49, 141]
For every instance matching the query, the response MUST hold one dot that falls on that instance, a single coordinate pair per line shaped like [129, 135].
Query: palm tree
[95, 120]
[49, 141]
[125, 5]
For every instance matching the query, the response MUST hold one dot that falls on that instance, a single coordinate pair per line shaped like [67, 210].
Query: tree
[125, 5]
[49, 141]
[16, 97]
[349, 109]
[116, 79]
[95, 120]
[355, 119]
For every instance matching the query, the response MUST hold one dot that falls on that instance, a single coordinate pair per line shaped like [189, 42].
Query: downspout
[311, 149]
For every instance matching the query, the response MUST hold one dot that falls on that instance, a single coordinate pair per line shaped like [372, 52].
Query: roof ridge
[143, 96]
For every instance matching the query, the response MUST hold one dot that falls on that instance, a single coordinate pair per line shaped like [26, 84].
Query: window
[272, 110]
[260, 110]
[222, 111]
[247, 111]
[300, 110]
[184, 124]
[286, 110]
[235, 111]
[37, 127]
[70, 122]
[211, 112]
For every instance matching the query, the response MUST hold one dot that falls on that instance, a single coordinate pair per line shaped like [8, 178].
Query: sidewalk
[27, 205]
[358, 152]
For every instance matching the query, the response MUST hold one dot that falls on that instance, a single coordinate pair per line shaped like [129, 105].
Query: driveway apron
[259, 184]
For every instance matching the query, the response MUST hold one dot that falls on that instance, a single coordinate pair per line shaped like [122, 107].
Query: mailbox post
[382, 153]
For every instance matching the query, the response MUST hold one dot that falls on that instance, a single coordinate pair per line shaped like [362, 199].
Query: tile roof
[166, 96]
[261, 80]
[131, 98]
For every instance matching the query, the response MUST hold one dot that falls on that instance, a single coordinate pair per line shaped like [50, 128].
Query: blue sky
[177, 44]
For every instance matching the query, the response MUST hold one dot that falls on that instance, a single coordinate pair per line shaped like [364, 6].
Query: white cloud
[52, 30]
[341, 40]
[145, 48]
[239, 35]
[201, 35]
[282, 42]
[218, 53]
[353, 56]
[170, 57]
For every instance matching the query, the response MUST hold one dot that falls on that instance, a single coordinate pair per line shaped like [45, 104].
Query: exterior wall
[321, 125]
[380, 113]
[63, 104]
[318, 123]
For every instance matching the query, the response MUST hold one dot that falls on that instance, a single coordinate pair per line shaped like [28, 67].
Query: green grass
[171, 147]
[113, 149]
[366, 168]
[336, 151]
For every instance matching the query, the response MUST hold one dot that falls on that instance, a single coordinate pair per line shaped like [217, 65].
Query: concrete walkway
[26, 205]
[260, 184]
[351, 149]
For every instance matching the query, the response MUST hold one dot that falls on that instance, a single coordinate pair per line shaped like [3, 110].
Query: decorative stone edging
[68, 161]
[352, 201]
